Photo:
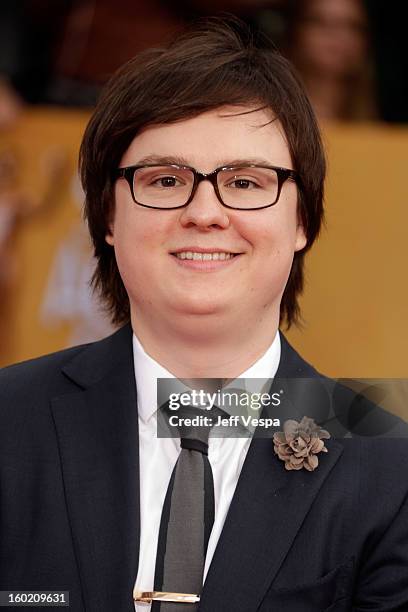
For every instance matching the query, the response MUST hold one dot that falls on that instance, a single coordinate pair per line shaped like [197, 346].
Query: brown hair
[214, 64]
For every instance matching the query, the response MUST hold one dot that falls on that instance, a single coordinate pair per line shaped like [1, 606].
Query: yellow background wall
[355, 303]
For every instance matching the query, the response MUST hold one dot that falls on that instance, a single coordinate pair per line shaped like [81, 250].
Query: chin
[199, 307]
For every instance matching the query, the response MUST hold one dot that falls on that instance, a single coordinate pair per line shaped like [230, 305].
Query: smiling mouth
[198, 256]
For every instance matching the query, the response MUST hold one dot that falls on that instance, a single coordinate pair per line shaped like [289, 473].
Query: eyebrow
[179, 160]
[163, 161]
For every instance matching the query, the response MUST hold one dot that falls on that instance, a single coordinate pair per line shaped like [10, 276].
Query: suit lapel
[97, 430]
[267, 510]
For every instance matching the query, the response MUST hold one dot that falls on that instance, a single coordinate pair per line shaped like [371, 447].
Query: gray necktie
[187, 516]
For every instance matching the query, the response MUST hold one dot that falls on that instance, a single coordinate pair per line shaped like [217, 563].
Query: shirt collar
[147, 371]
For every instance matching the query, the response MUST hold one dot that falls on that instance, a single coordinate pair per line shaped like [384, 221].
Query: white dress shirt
[159, 455]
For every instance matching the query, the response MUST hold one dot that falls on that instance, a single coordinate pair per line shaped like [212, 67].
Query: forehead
[214, 138]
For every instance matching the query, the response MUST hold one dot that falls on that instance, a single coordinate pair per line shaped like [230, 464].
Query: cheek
[136, 269]
[133, 224]
[272, 236]
[273, 242]
[139, 248]
[139, 230]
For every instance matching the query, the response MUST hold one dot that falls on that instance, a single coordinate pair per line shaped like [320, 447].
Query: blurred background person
[329, 43]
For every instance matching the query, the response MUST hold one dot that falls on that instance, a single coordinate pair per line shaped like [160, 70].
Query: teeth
[204, 256]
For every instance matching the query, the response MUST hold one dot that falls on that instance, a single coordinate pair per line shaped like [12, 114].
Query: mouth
[204, 259]
[200, 256]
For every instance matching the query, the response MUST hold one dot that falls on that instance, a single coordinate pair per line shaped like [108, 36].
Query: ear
[109, 236]
[110, 231]
[301, 240]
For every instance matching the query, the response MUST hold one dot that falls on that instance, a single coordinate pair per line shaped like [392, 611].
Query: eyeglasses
[172, 186]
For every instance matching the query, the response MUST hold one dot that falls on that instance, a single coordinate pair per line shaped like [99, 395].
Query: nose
[205, 210]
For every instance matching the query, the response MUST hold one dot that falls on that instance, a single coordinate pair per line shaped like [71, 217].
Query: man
[203, 172]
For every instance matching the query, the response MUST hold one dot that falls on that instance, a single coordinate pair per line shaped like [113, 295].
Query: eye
[166, 182]
[242, 183]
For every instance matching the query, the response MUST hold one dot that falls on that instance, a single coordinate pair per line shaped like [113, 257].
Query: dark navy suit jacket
[333, 539]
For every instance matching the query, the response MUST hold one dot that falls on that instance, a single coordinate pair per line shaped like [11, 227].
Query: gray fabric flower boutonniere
[299, 444]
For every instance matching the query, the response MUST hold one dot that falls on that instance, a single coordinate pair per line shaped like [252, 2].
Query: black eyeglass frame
[283, 174]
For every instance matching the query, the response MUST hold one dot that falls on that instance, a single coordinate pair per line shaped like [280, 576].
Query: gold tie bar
[149, 596]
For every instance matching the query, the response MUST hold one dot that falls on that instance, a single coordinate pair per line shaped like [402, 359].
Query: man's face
[246, 288]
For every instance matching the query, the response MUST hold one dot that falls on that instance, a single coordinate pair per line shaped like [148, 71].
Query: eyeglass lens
[167, 186]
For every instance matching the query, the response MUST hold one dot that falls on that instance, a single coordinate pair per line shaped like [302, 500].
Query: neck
[206, 346]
